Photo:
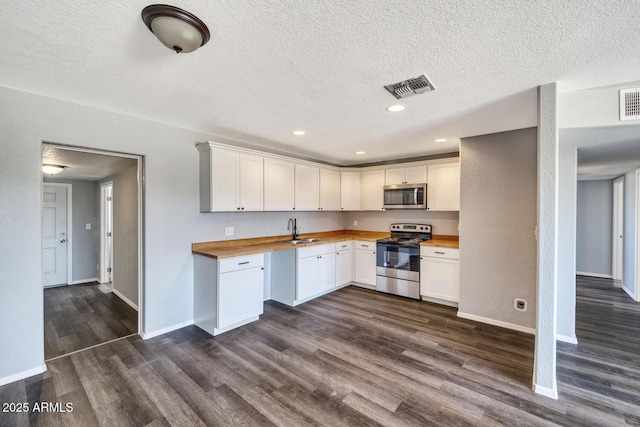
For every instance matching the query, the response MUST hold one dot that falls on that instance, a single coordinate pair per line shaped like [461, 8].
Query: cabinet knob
[242, 208]
[238, 208]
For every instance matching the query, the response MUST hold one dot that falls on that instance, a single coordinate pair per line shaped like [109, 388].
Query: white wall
[497, 222]
[444, 223]
[630, 280]
[594, 227]
[172, 218]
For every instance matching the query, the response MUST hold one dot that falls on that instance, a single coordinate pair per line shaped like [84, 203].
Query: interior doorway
[618, 232]
[56, 234]
[84, 314]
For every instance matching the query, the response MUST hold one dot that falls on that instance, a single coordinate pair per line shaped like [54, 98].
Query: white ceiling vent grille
[630, 104]
[414, 86]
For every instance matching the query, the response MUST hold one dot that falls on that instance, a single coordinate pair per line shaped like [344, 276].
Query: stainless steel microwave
[405, 196]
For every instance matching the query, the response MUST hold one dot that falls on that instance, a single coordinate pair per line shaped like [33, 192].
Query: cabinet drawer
[437, 252]
[241, 262]
[316, 250]
[361, 244]
[344, 246]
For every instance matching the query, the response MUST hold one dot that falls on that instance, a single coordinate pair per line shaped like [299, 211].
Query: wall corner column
[544, 375]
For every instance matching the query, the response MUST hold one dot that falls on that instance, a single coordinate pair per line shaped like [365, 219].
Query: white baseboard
[146, 336]
[125, 299]
[628, 291]
[106, 288]
[22, 375]
[568, 339]
[79, 282]
[494, 322]
[601, 276]
[551, 393]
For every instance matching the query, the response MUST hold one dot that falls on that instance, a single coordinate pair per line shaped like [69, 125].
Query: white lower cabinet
[228, 292]
[344, 263]
[364, 262]
[440, 274]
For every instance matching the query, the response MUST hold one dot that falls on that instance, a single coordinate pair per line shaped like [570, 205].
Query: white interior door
[106, 232]
[54, 235]
[618, 229]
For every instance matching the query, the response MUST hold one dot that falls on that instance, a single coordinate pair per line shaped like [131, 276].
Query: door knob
[63, 240]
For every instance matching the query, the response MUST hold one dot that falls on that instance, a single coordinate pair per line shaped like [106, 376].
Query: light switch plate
[87, 226]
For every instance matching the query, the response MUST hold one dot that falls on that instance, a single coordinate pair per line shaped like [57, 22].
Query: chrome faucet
[294, 230]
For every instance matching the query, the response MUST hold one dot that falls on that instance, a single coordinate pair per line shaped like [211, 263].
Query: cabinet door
[440, 278]
[372, 190]
[239, 296]
[350, 191]
[394, 176]
[307, 277]
[365, 266]
[344, 267]
[415, 175]
[326, 271]
[224, 180]
[329, 190]
[307, 188]
[443, 187]
[251, 182]
[278, 185]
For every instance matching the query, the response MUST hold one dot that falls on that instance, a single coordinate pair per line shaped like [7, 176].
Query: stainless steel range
[398, 260]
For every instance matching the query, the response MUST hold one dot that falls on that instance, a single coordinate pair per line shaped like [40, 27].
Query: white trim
[22, 375]
[602, 276]
[104, 276]
[617, 252]
[146, 336]
[106, 288]
[567, 339]
[636, 261]
[125, 299]
[551, 393]
[628, 291]
[78, 282]
[494, 322]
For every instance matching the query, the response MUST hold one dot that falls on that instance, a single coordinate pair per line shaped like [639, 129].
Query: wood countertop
[240, 247]
[443, 242]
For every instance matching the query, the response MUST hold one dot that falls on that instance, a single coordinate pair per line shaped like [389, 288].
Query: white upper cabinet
[372, 190]
[278, 185]
[229, 180]
[251, 182]
[329, 189]
[307, 187]
[350, 191]
[443, 187]
[408, 175]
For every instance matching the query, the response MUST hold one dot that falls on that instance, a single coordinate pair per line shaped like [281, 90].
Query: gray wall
[125, 234]
[497, 222]
[594, 227]
[86, 243]
[629, 280]
[442, 222]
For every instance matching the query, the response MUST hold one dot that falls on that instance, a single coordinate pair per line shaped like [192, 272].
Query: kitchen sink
[299, 241]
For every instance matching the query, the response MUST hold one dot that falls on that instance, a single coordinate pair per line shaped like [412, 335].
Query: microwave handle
[415, 196]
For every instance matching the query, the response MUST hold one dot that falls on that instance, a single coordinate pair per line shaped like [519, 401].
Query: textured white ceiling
[275, 66]
[86, 166]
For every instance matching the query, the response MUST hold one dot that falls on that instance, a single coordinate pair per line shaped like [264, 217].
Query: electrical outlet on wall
[520, 304]
[355, 222]
[228, 231]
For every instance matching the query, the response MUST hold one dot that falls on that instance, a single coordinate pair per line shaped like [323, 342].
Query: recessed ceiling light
[298, 132]
[359, 152]
[441, 140]
[395, 108]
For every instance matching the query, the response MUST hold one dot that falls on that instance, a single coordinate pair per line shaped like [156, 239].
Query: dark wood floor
[80, 316]
[351, 358]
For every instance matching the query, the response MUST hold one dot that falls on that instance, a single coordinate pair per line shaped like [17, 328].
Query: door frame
[69, 264]
[617, 252]
[140, 173]
[636, 261]
[103, 226]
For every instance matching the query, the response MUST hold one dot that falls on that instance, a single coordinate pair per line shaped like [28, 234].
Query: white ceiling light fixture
[50, 169]
[396, 108]
[177, 29]
[298, 132]
[441, 140]
[359, 152]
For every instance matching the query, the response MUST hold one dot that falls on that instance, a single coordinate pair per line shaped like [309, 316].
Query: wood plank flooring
[80, 316]
[351, 358]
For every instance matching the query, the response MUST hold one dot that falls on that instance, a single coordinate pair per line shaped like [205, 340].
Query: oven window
[398, 257]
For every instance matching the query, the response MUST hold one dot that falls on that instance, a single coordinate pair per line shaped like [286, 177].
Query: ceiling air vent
[414, 86]
[630, 104]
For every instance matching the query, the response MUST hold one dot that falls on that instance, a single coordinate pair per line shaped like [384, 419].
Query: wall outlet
[520, 304]
[228, 231]
[355, 222]
[87, 226]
